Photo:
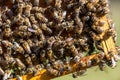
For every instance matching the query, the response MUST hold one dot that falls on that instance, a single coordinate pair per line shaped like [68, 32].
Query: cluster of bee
[51, 34]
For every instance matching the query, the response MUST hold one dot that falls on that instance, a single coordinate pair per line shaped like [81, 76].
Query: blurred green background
[109, 74]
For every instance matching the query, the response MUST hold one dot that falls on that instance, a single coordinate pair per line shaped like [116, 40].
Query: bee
[58, 3]
[1, 50]
[18, 48]
[88, 63]
[110, 32]
[27, 22]
[30, 70]
[34, 59]
[4, 62]
[20, 63]
[19, 1]
[104, 3]
[12, 1]
[112, 61]
[4, 17]
[27, 10]
[41, 17]
[28, 60]
[94, 18]
[101, 23]
[23, 28]
[7, 32]
[6, 43]
[90, 6]
[58, 65]
[110, 23]
[102, 65]
[102, 10]
[46, 29]
[39, 67]
[10, 13]
[52, 71]
[50, 55]
[79, 27]
[9, 50]
[32, 19]
[73, 50]
[36, 3]
[30, 42]
[18, 19]
[27, 0]
[6, 74]
[1, 71]
[98, 29]
[43, 56]
[71, 5]
[78, 73]
[19, 77]
[26, 47]
[94, 36]
[20, 7]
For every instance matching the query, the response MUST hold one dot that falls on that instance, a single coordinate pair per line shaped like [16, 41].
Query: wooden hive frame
[108, 45]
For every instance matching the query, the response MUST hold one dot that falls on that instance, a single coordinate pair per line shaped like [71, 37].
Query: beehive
[106, 41]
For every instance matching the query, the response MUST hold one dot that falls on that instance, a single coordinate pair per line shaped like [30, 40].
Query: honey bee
[6, 43]
[3, 17]
[27, 9]
[30, 70]
[101, 23]
[27, 22]
[41, 17]
[23, 28]
[78, 73]
[104, 3]
[19, 1]
[73, 50]
[46, 29]
[50, 54]
[9, 50]
[19, 77]
[32, 19]
[1, 71]
[36, 3]
[67, 66]
[10, 13]
[98, 29]
[18, 19]
[42, 56]
[20, 7]
[1, 50]
[102, 65]
[12, 1]
[58, 3]
[28, 60]
[20, 63]
[30, 42]
[111, 32]
[34, 59]
[90, 6]
[52, 71]
[7, 74]
[18, 48]
[79, 27]
[26, 46]
[58, 65]
[94, 18]
[94, 36]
